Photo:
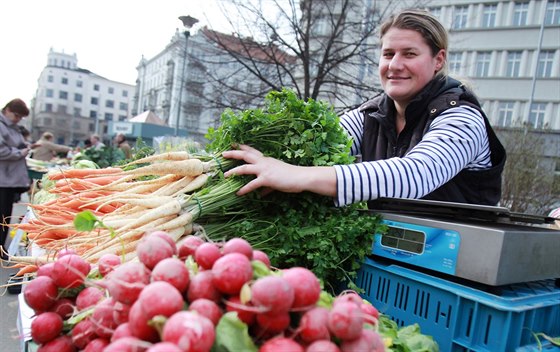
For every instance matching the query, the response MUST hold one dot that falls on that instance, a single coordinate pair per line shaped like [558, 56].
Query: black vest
[380, 139]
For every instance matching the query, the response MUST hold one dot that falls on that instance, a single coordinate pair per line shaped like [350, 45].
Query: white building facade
[73, 103]
[510, 52]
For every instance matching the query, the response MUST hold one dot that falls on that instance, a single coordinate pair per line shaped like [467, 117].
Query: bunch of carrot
[160, 192]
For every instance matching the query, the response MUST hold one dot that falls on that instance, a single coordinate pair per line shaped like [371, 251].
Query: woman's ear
[440, 59]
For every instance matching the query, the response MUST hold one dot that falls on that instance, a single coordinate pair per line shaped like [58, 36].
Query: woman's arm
[273, 174]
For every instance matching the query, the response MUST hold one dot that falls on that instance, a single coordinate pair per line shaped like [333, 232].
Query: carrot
[28, 269]
[175, 156]
[81, 173]
[190, 167]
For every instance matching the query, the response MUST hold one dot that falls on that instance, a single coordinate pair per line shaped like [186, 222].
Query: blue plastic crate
[462, 318]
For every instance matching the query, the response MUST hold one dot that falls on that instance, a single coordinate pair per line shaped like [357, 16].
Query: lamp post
[188, 22]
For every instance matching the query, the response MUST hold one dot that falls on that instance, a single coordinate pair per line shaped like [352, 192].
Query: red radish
[238, 245]
[45, 270]
[63, 307]
[46, 327]
[70, 271]
[207, 308]
[164, 235]
[313, 325]
[367, 341]
[189, 331]
[97, 345]
[60, 344]
[206, 254]
[127, 281]
[273, 322]
[40, 293]
[152, 249]
[349, 296]
[127, 344]
[307, 287]
[88, 297]
[164, 347]
[322, 346]
[345, 320]
[160, 298]
[138, 324]
[107, 263]
[102, 318]
[272, 293]
[65, 251]
[281, 344]
[233, 304]
[231, 272]
[83, 333]
[261, 256]
[371, 313]
[120, 313]
[188, 246]
[174, 271]
[201, 287]
[121, 331]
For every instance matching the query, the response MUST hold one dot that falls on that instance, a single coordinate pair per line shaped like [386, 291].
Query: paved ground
[9, 341]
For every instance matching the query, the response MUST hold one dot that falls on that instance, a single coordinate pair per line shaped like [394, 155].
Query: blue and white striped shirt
[457, 139]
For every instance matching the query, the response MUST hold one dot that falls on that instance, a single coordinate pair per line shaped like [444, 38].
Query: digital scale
[485, 244]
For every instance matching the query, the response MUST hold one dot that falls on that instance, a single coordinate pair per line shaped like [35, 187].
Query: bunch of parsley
[302, 229]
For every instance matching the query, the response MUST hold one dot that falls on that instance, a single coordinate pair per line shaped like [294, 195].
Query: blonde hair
[47, 135]
[423, 22]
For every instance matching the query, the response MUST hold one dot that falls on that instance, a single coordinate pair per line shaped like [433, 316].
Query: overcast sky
[109, 37]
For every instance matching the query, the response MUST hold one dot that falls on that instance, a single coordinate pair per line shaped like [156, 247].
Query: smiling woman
[425, 137]
[13, 168]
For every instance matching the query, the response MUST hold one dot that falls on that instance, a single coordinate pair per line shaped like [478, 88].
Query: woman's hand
[273, 174]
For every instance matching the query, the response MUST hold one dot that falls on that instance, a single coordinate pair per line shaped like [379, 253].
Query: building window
[544, 66]
[76, 125]
[79, 84]
[513, 63]
[552, 12]
[454, 61]
[108, 116]
[482, 64]
[537, 114]
[505, 113]
[64, 80]
[49, 93]
[109, 103]
[93, 114]
[77, 112]
[436, 12]
[122, 117]
[50, 78]
[63, 95]
[489, 16]
[123, 106]
[48, 121]
[96, 87]
[520, 11]
[94, 101]
[125, 93]
[460, 15]
[77, 97]
[111, 90]
[61, 109]
[48, 107]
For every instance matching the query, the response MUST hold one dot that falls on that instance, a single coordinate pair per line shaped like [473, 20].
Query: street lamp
[188, 22]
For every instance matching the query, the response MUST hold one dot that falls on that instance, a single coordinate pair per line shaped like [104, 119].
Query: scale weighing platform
[485, 244]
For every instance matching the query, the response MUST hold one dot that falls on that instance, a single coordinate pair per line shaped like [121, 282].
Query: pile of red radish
[176, 295]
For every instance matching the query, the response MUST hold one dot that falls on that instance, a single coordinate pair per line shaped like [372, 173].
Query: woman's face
[406, 64]
[13, 116]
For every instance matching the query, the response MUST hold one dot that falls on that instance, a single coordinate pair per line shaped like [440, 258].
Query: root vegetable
[89, 297]
[238, 245]
[160, 298]
[189, 331]
[60, 344]
[127, 281]
[188, 246]
[345, 320]
[231, 272]
[322, 346]
[206, 254]
[272, 294]
[201, 286]
[152, 249]
[207, 308]
[173, 271]
[46, 327]
[281, 344]
[40, 293]
[307, 287]
[313, 325]
[70, 270]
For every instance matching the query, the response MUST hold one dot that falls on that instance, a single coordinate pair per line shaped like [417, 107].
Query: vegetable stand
[463, 274]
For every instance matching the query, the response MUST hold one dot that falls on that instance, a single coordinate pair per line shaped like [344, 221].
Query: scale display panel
[429, 247]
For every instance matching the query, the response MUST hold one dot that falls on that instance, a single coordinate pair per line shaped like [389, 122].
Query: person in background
[14, 178]
[122, 144]
[45, 149]
[87, 143]
[425, 137]
[96, 142]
